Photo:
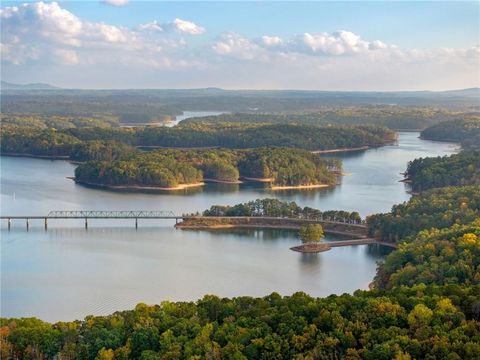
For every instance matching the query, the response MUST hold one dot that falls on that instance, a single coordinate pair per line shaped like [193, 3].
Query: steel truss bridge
[104, 214]
[96, 214]
[141, 214]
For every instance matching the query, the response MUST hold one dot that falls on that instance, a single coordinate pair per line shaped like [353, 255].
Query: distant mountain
[464, 92]
[37, 86]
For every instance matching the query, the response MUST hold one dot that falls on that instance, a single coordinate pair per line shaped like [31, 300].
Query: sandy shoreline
[262, 180]
[295, 187]
[222, 181]
[138, 187]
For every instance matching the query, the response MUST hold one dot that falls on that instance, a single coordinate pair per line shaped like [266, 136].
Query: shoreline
[137, 187]
[262, 180]
[294, 187]
[33, 156]
[235, 182]
[311, 248]
[339, 150]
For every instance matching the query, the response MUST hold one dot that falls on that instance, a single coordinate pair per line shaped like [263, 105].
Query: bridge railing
[110, 214]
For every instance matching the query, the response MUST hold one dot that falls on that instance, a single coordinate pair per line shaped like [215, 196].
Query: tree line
[438, 256]
[465, 130]
[393, 117]
[436, 208]
[270, 207]
[420, 322]
[458, 169]
[240, 136]
[170, 168]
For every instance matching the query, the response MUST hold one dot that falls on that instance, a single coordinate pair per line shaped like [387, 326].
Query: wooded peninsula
[190, 155]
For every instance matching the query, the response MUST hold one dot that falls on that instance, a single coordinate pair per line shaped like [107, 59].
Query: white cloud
[237, 46]
[45, 36]
[187, 27]
[178, 25]
[271, 40]
[152, 26]
[323, 44]
[45, 32]
[116, 2]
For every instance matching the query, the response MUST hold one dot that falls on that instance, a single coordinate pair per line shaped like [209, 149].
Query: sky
[324, 45]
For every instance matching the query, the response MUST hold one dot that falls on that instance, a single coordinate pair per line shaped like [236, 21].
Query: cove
[67, 273]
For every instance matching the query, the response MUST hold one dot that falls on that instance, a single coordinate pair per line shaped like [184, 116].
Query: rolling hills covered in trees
[465, 131]
[424, 304]
[153, 102]
[391, 116]
[238, 136]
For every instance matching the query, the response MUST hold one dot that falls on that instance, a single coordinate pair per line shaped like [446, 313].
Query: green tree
[311, 233]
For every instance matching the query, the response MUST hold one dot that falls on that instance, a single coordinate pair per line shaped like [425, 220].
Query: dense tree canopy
[276, 208]
[233, 136]
[45, 142]
[446, 256]
[40, 121]
[437, 208]
[459, 169]
[465, 131]
[393, 117]
[169, 168]
[404, 323]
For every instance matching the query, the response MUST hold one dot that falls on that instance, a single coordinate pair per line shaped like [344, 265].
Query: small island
[169, 169]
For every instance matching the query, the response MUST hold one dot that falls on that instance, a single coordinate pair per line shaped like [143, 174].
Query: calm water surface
[67, 272]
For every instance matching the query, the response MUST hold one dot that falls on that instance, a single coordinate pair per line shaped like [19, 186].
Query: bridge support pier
[46, 224]
[86, 224]
[9, 221]
[136, 223]
[28, 223]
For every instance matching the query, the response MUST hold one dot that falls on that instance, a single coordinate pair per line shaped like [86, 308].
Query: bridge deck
[325, 246]
[87, 215]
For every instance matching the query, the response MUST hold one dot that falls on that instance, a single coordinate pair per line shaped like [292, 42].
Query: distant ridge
[470, 91]
[36, 86]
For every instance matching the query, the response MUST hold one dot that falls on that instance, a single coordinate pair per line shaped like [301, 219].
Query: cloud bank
[178, 25]
[160, 54]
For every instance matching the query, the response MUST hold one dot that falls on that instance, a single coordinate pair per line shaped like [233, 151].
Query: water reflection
[67, 272]
[310, 260]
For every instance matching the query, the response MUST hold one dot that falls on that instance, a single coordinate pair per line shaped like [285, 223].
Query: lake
[68, 272]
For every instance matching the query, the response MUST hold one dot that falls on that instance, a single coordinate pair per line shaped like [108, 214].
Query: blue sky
[405, 23]
[356, 45]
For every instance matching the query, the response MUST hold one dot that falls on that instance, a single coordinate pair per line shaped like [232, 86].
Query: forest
[39, 121]
[233, 136]
[391, 116]
[454, 170]
[419, 322]
[271, 207]
[170, 168]
[465, 131]
[438, 256]
[437, 208]
[424, 302]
